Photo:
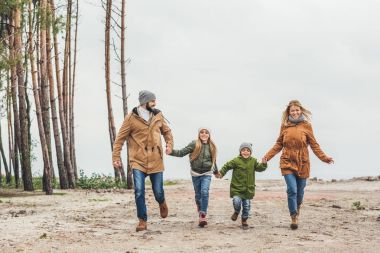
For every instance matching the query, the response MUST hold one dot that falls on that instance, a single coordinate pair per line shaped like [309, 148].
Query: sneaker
[202, 220]
[234, 216]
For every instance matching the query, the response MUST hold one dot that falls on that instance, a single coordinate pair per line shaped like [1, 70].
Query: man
[142, 128]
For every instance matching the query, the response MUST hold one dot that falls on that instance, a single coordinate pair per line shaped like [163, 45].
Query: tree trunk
[124, 88]
[44, 85]
[16, 118]
[65, 137]
[58, 144]
[24, 148]
[71, 118]
[111, 123]
[45, 151]
[10, 132]
[7, 173]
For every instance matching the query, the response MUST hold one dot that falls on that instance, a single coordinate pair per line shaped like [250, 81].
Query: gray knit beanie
[146, 96]
[245, 145]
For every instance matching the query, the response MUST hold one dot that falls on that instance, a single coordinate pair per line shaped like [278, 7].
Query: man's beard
[149, 108]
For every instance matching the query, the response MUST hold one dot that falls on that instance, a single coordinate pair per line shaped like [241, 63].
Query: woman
[202, 162]
[296, 135]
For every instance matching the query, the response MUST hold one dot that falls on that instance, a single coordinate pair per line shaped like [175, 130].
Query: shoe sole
[202, 224]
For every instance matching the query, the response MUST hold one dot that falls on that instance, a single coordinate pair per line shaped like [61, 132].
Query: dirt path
[80, 221]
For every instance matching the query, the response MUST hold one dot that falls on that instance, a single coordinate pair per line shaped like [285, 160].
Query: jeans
[201, 187]
[238, 203]
[157, 187]
[295, 191]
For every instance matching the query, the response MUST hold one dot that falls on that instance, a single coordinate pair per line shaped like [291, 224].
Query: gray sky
[233, 66]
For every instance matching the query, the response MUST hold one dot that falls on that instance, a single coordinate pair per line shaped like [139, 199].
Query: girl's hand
[329, 160]
[264, 160]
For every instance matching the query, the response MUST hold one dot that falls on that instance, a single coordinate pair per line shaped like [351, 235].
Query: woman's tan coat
[294, 141]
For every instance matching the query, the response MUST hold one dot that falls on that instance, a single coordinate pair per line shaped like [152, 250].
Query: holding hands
[168, 150]
[218, 175]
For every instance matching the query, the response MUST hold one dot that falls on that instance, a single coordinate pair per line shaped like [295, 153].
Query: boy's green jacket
[243, 176]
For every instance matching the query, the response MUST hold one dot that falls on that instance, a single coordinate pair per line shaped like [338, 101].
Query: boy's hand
[117, 164]
[264, 160]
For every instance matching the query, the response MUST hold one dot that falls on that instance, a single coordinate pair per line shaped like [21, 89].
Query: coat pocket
[159, 151]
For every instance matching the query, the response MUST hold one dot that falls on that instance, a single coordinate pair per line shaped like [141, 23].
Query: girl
[202, 162]
[296, 135]
[242, 188]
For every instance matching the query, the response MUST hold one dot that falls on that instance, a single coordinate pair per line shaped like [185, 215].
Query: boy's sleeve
[186, 150]
[260, 167]
[226, 167]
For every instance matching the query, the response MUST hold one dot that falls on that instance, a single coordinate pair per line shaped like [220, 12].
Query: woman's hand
[329, 160]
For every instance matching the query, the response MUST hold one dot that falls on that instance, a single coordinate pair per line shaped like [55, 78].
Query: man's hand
[117, 164]
[264, 160]
[168, 150]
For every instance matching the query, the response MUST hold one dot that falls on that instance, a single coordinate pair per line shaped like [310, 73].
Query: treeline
[38, 49]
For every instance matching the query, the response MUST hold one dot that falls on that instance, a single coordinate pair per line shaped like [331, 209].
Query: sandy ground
[105, 221]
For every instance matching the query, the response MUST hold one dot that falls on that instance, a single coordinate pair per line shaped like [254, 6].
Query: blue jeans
[238, 203]
[157, 187]
[295, 191]
[201, 187]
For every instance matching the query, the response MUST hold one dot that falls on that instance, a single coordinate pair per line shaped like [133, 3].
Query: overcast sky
[233, 66]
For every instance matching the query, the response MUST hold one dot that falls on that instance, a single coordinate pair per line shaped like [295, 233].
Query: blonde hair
[285, 115]
[198, 147]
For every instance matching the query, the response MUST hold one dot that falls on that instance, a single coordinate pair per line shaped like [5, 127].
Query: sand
[105, 220]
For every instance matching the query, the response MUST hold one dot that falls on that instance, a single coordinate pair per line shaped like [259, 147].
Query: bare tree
[24, 145]
[64, 132]
[107, 53]
[45, 152]
[124, 82]
[58, 144]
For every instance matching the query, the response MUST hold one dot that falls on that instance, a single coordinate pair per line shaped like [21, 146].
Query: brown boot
[298, 211]
[234, 216]
[141, 226]
[164, 210]
[244, 223]
[294, 224]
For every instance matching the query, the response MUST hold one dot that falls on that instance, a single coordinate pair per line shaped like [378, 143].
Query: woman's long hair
[285, 115]
[198, 147]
